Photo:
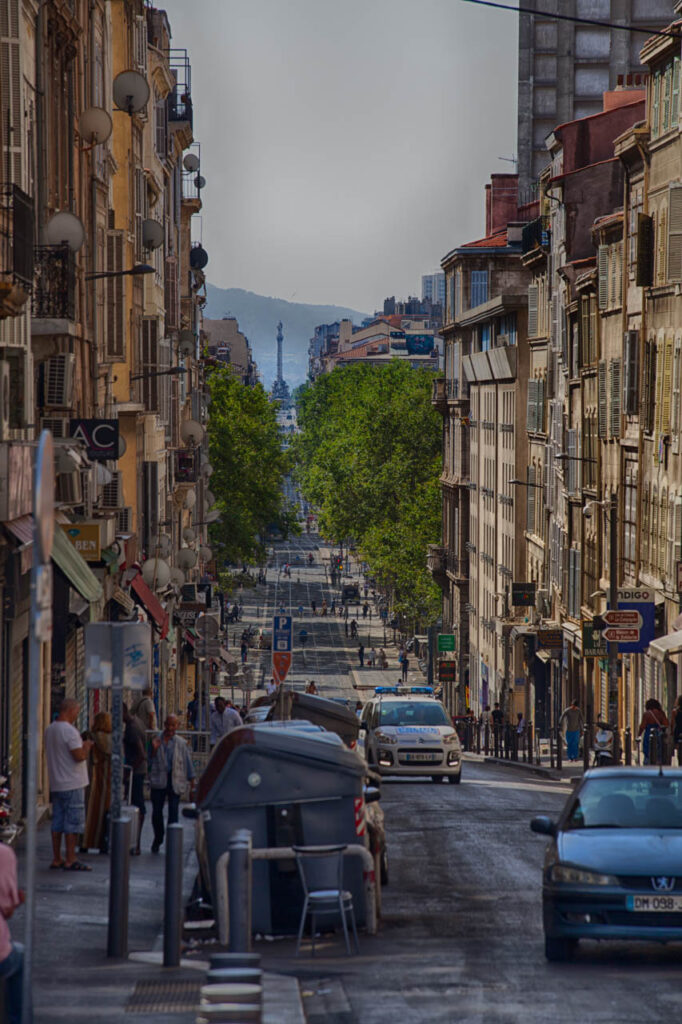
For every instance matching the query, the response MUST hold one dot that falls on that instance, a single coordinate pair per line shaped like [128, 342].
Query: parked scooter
[604, 746]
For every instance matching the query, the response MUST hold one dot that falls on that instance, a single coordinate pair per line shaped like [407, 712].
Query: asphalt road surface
[461, 938]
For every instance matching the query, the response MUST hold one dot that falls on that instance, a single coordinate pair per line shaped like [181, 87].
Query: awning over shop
[542, 655]
[523, 629]
[666, 646]
[75, 568]
[22, 530]
[151, 603]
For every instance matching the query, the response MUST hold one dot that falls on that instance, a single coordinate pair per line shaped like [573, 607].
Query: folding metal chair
[321, 871]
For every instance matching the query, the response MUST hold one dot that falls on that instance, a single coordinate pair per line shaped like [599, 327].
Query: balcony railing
[439, 393]
[535, 235]
[16, 236]
[180, 99]
[435, 559]
[458, 566]
[54, 289]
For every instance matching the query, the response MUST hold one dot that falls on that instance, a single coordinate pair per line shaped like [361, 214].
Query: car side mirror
[190, 811]
[543, 825]
[372, 794]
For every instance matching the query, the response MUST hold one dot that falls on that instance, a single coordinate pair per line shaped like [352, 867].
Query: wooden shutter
[662, 533]
[530, 500]
[601, 398]
[675, 97]
[532, 407]
[665, 97]
[532, 310]
[675, 232]
[149, 364]
[140, 209]
[631, 372]
[644, 554]
[666, 386]
[603, 272]
[615, 397]
[676, 403]
[540, 406]
[171, 294]
[585, 330]
[655, 106]
[619, 273]
[649, 385]
[554, 326]
[572, 452]
[115, 305]
[644, 273]
[676, 539]
[11, 121]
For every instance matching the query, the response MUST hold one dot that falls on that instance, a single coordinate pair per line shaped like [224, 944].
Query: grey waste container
[288, 787]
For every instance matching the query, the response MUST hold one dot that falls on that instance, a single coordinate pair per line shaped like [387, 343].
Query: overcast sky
[345, 144]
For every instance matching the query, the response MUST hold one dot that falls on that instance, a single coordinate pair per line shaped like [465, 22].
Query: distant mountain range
[258, 316]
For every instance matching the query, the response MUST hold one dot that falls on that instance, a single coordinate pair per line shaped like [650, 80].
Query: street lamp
[527, 483]
[160, 373]
[136, 271]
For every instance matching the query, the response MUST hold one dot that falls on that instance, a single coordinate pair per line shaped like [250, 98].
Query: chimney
[501, 201]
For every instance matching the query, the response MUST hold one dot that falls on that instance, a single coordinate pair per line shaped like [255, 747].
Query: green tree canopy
[369, 458]
[249, 467]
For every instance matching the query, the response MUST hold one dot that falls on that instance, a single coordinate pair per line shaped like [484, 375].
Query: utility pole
[613, 604]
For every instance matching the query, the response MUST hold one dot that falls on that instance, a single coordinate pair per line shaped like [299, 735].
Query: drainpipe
[94, 378]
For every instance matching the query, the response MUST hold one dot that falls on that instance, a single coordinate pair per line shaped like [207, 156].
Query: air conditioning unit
[4, 399]
[57, 425]
[69, 489]
[124, 520]
[89, 489]
[112, 493]
[58, 374]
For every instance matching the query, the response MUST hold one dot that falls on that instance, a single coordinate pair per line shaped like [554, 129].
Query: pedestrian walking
[498, 722]
[302, 636]
[572, 723]
[300, 611]
[353, 628]
[311, 687]
[676, 729]
[361, 654]
[332, 609]
[171, 771]
[405, 664]
[11, 953]
[244, 649]
[372, 659]
[135, 757]
[324, 606]
[232, 718]
[365, 609]
[383, 660]
[655, 720]
[216, 722]
[313, 606]
[145, 710]
[96, 834]
[271, 687]
[67, 754]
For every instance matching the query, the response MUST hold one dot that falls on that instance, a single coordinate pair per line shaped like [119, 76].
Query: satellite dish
[206, 553]
[186, 558]
[206, 626]
[131, 91]
[162, 544]
[122, 446]
[210, 498]
[186, 348]
[95, 125]
[156, 573]
[189, 535]
[152, 233]
[191, 162]
[206, 469]
[190, 499]
[200, 182]
[192, 432]
[213, 516]
[104, 475]
[177, 577]
[198, 257]
[65, 228]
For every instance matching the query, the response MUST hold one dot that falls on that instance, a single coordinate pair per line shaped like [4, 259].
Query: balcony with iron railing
[54, 285]
[180, 110]
[457, 566]
[535, 235]
[439, 394]
[16, 249]
[436, 563]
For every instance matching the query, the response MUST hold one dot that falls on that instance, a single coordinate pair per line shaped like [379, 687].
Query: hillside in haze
[258, 316]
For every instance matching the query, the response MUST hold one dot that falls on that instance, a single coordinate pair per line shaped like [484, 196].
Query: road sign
[618, 635]
[281, 646]
[446, 641]
[135, 640]
[639, 599]
[523, 594]
[594, 645]
[447, 671]
[622, 617]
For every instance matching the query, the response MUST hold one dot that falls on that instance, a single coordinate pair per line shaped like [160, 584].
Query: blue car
[613, 868]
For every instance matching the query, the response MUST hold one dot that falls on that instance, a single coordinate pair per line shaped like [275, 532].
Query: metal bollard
[239, 887]
[119, 879]
[530, 741]
[551, 748]
[172, 916]
[586, 748]
[628, 745]
[478, 739]
[486, 739]
[559, 750]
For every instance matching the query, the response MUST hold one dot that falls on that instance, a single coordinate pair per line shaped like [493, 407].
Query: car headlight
[579, 876]
[383, 737]
[451, 738]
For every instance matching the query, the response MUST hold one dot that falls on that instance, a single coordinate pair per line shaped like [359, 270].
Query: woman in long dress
[95, 836]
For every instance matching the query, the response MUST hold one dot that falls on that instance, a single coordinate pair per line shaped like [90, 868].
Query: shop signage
[85, 537]
[100, 437]
[523, 594]
[186, 614]
[447, 671]
[594, 644]
[550, 638]
[446, 641]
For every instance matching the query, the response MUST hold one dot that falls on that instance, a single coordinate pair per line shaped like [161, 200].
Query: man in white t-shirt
[67, 754]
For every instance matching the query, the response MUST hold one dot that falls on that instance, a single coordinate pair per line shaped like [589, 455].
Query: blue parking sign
[282, 633]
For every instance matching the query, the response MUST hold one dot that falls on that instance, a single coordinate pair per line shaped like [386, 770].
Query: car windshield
[413, 713]
[629, 801]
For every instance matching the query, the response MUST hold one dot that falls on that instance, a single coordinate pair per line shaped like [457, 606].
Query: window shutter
[601, 398]
[150, 364]
[645, 526]
[563, 329]
[653, 532]
[662, 533]
[140, 209]
[666, 386]
[140, 43]
[613, 276]
[658, 393]
[631, 372]
[532, 406]
[11, 124]
[530, 500]
[655, 104]
[675, 101]
[649, 397]
[554, 326]
[677, 538]
[171, 294]
[644, 274]
[571, 451]
[676, 395]
[675, 232]
[615, 374]
[665, 97]
[532, 310]
[603, 272]
[115, 307]
[619, 274]
[540, 406]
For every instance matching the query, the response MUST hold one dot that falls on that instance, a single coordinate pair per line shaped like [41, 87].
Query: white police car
[406, 731]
